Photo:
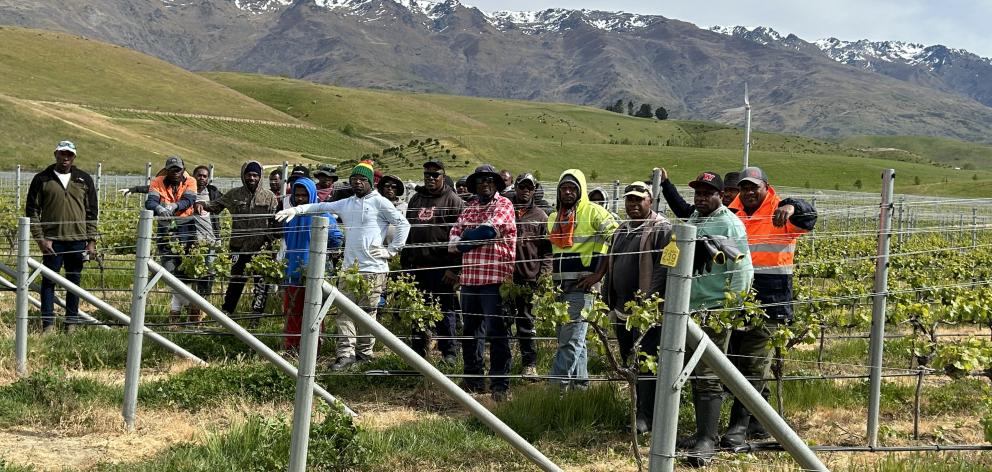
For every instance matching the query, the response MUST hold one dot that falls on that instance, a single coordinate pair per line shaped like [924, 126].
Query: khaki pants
[350, 339]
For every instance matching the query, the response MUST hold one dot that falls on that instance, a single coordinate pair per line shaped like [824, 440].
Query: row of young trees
[644, 111]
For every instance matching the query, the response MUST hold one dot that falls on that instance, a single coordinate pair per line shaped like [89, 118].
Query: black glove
[703, 260]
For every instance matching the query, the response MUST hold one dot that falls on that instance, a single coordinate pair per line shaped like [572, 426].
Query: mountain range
[821, 88]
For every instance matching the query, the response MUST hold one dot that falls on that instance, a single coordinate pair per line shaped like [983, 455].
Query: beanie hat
[253, 166]
[364, 169]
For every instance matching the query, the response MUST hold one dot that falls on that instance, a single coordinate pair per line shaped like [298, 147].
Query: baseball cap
[300, 171]
[730, 179]
[434, 163]
[66, 146]
[528, 177]
[711, 179]
[754, 174]
[326, 169]
[174, 161]
[637, 189]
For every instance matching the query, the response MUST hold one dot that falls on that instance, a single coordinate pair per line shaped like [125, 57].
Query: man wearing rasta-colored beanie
[363, 169]
[365, 216]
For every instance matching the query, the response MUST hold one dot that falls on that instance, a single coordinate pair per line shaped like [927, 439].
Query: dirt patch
[105, 440]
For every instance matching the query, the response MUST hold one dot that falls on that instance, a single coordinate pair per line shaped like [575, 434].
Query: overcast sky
[953, 23]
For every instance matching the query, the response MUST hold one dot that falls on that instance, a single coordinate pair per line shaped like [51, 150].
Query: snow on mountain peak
[553, 19]
[758, 34]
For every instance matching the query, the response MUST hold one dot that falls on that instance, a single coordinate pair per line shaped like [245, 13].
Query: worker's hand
[782, 215]
[46, 246]
[124, 192]
[664, 175]
[380, 253]
[586, 283]
[287, 215]
[450, 277]
[91, 249]
[198, 208]
[163, 211]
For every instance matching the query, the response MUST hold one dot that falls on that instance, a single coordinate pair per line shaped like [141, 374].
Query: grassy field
[948, 152]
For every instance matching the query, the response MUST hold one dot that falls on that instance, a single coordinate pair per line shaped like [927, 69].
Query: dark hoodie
[252, 213]
[431, 216]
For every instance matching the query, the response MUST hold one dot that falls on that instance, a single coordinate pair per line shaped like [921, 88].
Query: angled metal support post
[350, 309]
[265, 351]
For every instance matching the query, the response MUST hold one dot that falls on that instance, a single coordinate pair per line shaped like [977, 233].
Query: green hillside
[548, 138]
[942, 151]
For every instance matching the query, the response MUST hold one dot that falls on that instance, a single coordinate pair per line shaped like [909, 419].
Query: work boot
[707, 431]
[736, 434]
[175, 320]
[645, 406]
[195, 315]
[756, 431]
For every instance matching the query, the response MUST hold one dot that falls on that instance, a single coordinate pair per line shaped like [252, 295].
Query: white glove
[124, 192]
[453, 244]
[380, 253]
[288, 214]
[162, 211]
[171, 207]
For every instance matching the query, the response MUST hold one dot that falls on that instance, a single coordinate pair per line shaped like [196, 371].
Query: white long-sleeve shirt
[364, 222]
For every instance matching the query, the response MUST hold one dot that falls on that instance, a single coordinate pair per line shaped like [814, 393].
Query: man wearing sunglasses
[486, 235]
[432, 211]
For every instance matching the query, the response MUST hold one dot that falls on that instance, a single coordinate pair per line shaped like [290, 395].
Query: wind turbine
[747, 126]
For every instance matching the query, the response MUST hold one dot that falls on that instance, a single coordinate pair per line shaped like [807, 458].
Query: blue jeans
[571, 359]
[483, 309]
[68, 254]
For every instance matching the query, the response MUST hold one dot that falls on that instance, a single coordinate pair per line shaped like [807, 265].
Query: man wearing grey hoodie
[252, 208]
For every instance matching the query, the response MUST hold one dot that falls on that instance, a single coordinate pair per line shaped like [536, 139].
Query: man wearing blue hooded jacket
[296, 237]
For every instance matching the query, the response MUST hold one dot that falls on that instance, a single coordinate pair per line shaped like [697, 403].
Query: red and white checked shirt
[493, 262]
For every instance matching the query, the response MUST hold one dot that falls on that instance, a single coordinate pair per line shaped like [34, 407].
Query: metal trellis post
[747, 128]
[310, 330]
[669, 389]
[99, 184]
[878, 304]
[23, 285]
[615, 204]
[17, 189]
[656, 189]
[148, 173]
[974, 227]
[135, 332]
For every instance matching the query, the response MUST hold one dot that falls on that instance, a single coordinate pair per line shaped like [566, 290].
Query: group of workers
[461, 242]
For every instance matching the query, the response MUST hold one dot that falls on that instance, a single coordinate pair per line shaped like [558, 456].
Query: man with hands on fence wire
[682, 209]
[717, 229]
[366, 215]
[62, 205]
[773, 225]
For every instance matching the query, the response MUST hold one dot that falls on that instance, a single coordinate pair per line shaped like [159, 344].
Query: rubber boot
[645, 406]
[707, 431]
[689, 442]
[736, 434]
[755, 431]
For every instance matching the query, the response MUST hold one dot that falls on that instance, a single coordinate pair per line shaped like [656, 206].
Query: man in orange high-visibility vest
[773, 225]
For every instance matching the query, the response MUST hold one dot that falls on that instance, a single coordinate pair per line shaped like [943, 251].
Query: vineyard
[233, 414]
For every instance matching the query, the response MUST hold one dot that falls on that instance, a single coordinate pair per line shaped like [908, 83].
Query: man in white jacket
[365, 216]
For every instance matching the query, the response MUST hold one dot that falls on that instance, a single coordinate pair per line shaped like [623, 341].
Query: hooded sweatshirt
[431, 216]
[296, 234]
[252, 213]
[580, 235]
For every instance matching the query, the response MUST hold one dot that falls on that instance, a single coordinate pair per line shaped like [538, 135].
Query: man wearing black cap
[708, 293]
[773, 227]
[533, 261]
[485, 234]
[252, 208]
[634, 271]
[682, 209]
[62, 205]
[432, 211]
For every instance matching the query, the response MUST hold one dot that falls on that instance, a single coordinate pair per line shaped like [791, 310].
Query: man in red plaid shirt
[486, 235]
